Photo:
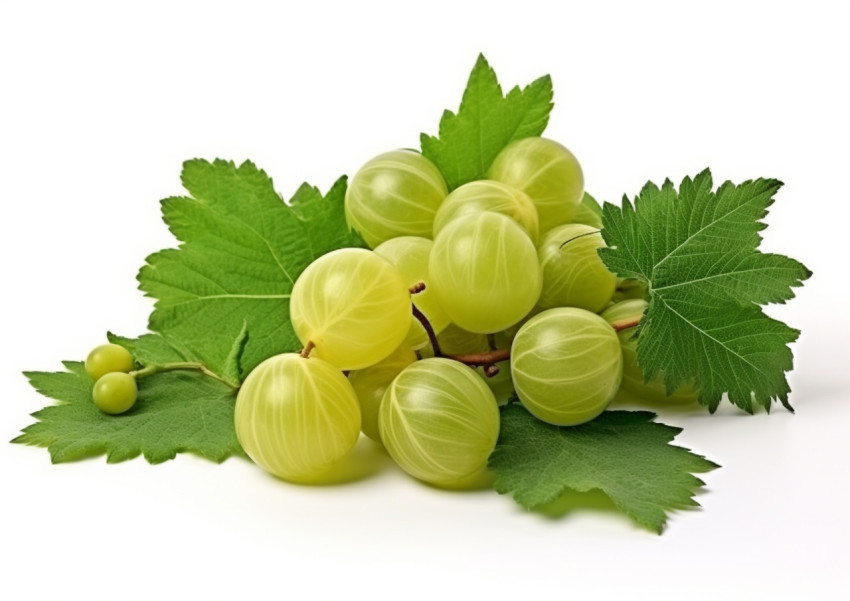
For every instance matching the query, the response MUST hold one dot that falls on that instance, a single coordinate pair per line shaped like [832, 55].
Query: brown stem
[477, 359]
[624, 324]
[417, 288]
[432, 337]
[487, 360]
[305, 352]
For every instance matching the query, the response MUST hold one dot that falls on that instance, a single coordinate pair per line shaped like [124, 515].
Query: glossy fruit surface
[501, 384]
[353, 305]
[485, 272]
[633, 388]
[573, 273]
[547, 172]
[107, 358]
[296, 417]
[439, 421]
[588, 212]
[488, 195]
[566, 365]
[371, 383]
[396, 193]
[115, 392]
[410, 254]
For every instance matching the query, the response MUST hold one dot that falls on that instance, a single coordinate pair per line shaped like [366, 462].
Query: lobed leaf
[696, 250]
[176, 412]
[485, 123]
[622, 453]
[242, 249]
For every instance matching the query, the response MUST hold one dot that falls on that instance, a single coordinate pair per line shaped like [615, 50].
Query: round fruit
[547, 172]
[573, 273]
[353, 305]
[296, 417]
[566, 365]
[410, 254]
[107, 358]
[488, 195]
[485, 272]
[589, 212]
[395, 194]
[371, 383]
[115, 392]
[439, 421]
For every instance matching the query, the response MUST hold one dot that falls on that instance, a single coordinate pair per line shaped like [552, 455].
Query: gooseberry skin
[410, 254]
[485, 272]
[439, 421]
[371, 383]
[296, 417]
[588, 212]
[566, 365]
[547, 172]
[573, 273]
[115, 392]
[488, 195]
[633, 388]
[107, 358]
[397, 193]
[353, 305]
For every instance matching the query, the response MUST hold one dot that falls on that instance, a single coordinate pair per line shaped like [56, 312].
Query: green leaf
[155, 349]
[697, 251]
[176, 412]
[486, 122]
[622, 453]
[242, 249]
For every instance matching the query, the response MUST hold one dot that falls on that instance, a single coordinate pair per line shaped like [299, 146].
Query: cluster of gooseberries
[465, 298]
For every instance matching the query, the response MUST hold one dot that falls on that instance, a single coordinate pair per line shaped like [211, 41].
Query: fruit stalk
[150, 370]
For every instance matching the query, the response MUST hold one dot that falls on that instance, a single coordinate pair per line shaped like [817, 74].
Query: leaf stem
[152, 369]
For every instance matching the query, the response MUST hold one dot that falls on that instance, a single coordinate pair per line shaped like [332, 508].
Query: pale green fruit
[633, 388]
[296, 417]
[353, 305]
[115, 392]
[566, 365]
[485, 272]
[396, 193]
[547, 172]
[410, 254]
[488, 195]
[439, 421]
[108, 358]
[589, 212]
[573, 273]
[370, 384]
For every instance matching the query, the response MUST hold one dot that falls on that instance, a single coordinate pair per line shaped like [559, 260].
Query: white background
[101, 103]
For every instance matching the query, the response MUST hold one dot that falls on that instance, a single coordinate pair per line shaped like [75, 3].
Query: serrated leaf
[176, 412]
[623, 453]
[156, 349]
[242, 249]
[485, 123]
[697, 251]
